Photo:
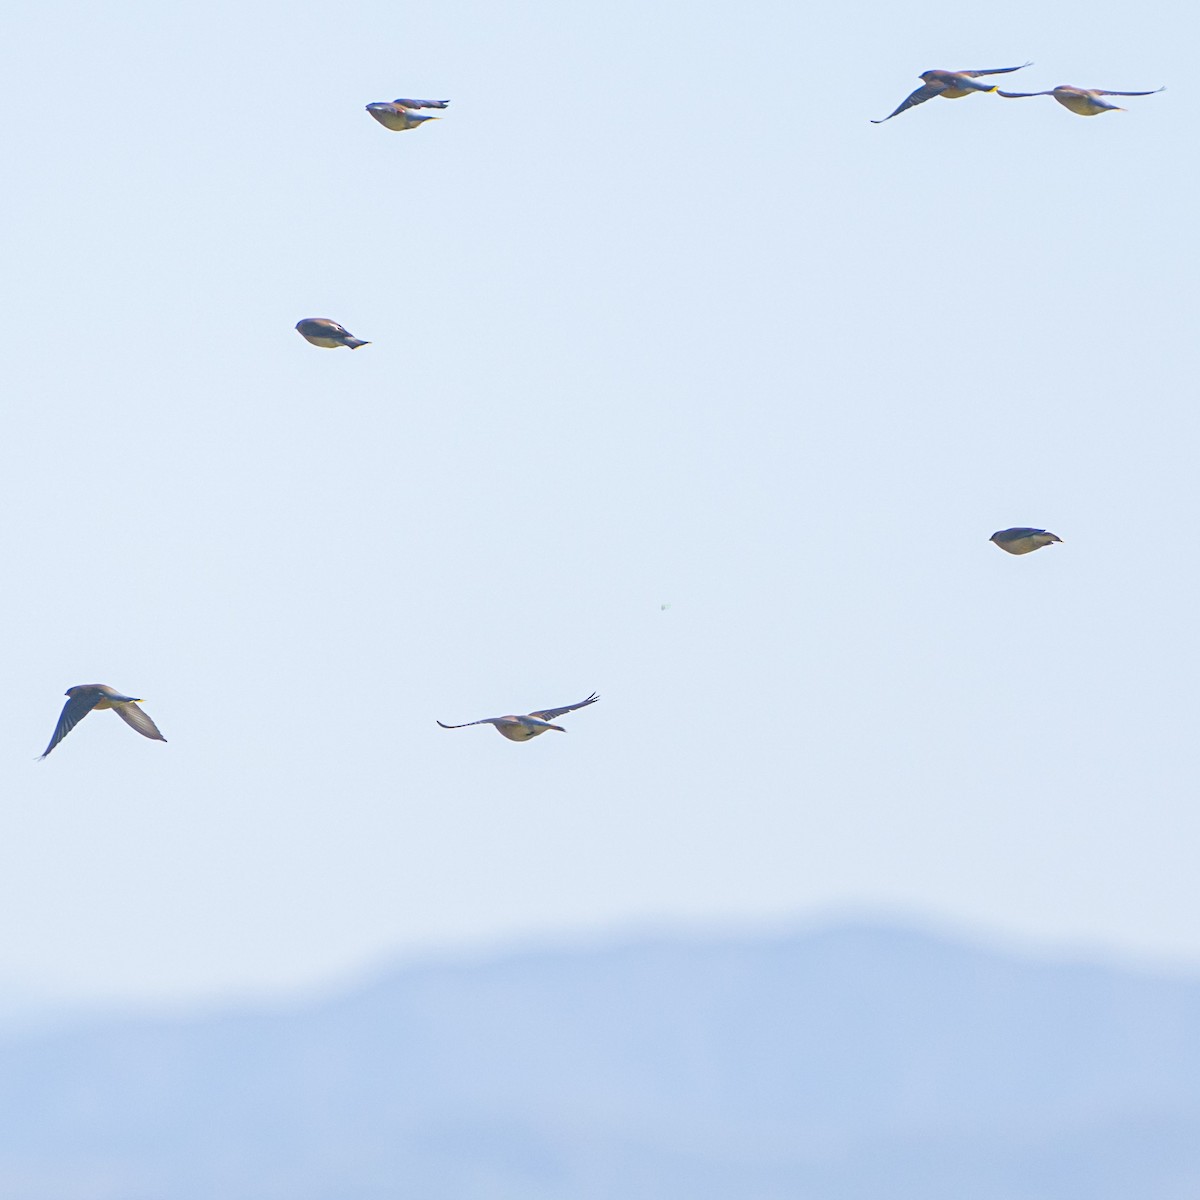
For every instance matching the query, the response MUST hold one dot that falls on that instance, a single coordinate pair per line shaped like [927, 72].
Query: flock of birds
[401, 115]
[953, 85]
[398, 115]
[1084, 102]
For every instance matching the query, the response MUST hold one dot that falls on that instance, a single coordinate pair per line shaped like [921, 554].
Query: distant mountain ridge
[853, 1061]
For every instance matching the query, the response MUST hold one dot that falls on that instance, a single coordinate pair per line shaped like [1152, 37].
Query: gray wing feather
[918, 97]
[998, 71]
[1102, 92]
[75, 709]
[320, 327]
[548, 714]
[421, 103]
[135, 718]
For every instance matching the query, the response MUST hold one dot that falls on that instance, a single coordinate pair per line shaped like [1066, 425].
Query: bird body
[85, 697]
[520, 728]
[401, 114]
[321, 331]
[1022, 539]
[1084, 102]
[951, 85]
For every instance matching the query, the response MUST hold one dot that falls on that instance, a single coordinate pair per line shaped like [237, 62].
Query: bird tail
[354, 343]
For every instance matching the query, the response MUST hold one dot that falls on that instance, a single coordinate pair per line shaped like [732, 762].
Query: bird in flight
[1021, 540]
[323, 332]
[403, 114]
[951, 85]
[1084, 102]
[522, 728]
[84, 697]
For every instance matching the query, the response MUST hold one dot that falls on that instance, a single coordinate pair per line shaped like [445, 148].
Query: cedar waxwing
[1022, 540]
[86, 696]
[321, 331]
[521, 729]
[951, 85]
[401, 114]
[1084, 102]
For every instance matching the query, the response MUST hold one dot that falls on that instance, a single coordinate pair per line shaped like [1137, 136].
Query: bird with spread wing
[951, 85]
[1084, 102]
[403, 114]
[522, 728]
[84, 697]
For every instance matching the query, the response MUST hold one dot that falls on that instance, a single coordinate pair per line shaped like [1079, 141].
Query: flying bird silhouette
[84, 697]
[402, 114]
[1084, 102]
[522, 728]
[1022, 540]
[326, 333]
[951, 85]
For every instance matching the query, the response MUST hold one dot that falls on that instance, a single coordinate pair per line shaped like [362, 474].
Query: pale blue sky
[657, 317]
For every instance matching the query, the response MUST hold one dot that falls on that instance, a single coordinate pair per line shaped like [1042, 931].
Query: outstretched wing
[997, 71]
[927, 92]
[1015, 95]
[75, 709]
[548, 714]
[485, 721]
[1102, 92]
[136, 719]
[421, 103]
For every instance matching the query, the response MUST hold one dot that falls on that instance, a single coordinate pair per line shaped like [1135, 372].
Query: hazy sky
[657, 317]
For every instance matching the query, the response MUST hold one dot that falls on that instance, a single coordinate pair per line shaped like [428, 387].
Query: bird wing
[421, 103]
[927, 92]
[1102, 92]
[135, 718]
[321, 327]
[485, 721]
[548, 714]
[75, 709]
[1014, 95]
[996, 71]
